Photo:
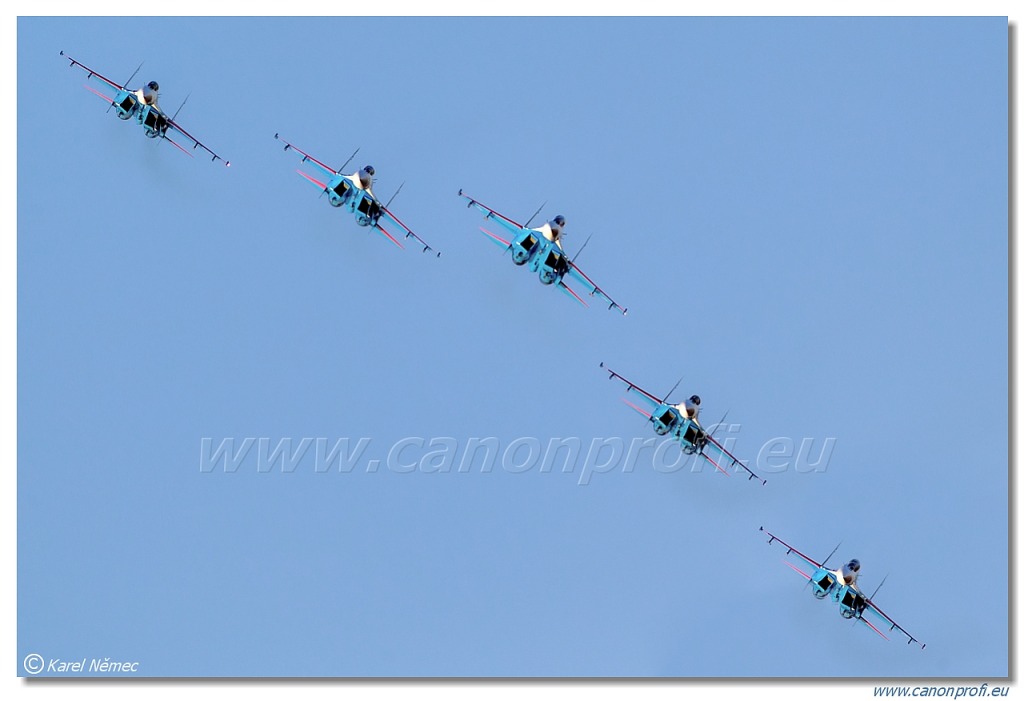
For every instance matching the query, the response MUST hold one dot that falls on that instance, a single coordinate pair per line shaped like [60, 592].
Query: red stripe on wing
[311, 179]
[790, 548]
[393, 239]
[497, 214]
[634, 406]
[570, 291]
[197, 142]
[630, 386]
[796, 569]
[187, 153]
[315, 160]
[595, 290]
[97, 92]
[92, 73]
[495, 236]
[717, 467]
[397, 220]
[402, 224]
[873, 627]
[502, 216]
[735, 460]
[587, 278]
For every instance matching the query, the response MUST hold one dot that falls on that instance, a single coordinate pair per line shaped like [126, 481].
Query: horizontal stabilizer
[495, 238]
[98, 93]
[313, 180]
[796, 569]
[717, 466]
[633, 406]
[568, 290]
[178, 146]
[395, 241]
[872, 627]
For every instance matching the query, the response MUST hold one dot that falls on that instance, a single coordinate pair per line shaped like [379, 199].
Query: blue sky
[806, 218]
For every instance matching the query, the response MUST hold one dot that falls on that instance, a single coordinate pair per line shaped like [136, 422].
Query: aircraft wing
[734, 460]
[196, 143]
[92, 73]
[885, 622]
[326, 169]
[644, 396]
[791, 550]
[509, 225]
[592, 288]
[396, 224]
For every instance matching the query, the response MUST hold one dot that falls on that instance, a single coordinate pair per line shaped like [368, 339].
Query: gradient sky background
[806, 218]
